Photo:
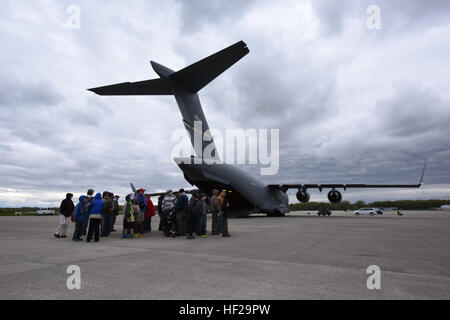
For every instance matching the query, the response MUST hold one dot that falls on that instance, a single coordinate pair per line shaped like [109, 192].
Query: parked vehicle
[369, 211]
[324, 212]
[45, 212]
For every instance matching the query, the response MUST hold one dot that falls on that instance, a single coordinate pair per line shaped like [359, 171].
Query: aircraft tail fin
[199, 74]
[193, 78]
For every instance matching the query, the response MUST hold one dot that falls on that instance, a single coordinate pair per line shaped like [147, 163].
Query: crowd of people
[95, 216]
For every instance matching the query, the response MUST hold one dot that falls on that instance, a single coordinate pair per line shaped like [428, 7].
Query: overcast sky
[353, 104]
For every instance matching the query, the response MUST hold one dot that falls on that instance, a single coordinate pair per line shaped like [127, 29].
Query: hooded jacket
[80, 214]
[129, 214]
[182, 202]
[97, 207]
[149, 208]
[108, 207]
[215, 204]
[67, 206]
[141, 201]
[220, 198]
[201, 208]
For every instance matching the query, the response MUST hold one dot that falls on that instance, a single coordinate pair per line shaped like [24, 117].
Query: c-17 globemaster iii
[248, 194]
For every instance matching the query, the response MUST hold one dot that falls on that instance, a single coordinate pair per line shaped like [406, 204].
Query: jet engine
[302, 196]
[334, 196]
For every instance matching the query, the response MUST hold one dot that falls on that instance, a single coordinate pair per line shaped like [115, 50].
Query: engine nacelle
[302, 196]
[334, 196]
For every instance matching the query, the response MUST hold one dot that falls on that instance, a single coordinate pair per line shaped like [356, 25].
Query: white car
[45, 212]
[369, 211]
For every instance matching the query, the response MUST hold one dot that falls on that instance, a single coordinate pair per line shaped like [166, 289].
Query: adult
[215, 209]
[201, 208]
[80, 216]
[168, 206]
[116, 209]
[149, 213]
[225, 207]
[89, 199]
[160, 212]
[95, 218]
[65, 211]
[128, 219]
[107, 213]
[191, 216]
[181, 208]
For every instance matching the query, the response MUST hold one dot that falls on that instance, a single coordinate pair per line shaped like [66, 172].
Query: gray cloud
[198, 15]
[25, 91]
[396, 16]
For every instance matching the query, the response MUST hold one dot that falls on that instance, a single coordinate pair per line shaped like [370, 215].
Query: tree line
[347, 205]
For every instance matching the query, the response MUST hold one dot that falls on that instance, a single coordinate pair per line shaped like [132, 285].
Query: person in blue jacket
[140, 217]
[80, 216]
[95, 218]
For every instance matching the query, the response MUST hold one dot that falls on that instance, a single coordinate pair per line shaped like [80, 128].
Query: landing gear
[277, 214]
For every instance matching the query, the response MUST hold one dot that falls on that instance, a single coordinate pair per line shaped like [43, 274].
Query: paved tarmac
[299, 256]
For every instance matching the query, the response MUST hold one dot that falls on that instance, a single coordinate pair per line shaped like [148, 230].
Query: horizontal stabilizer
[147, 87]
[199, 74]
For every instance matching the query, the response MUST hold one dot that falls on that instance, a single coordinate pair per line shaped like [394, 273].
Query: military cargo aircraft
[249, 194]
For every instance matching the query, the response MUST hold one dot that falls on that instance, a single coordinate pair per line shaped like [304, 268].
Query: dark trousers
[164, 221]
[181, 223]
[113, 221]
[200, 224]
[106, 230]
[84, 228]
[138, 227]
[124, 225]
[148, 224]
[94, 229]
[171, 226]
[190, 224]
[78, 229]
[161, 227]
[215, 222]
[225, 226]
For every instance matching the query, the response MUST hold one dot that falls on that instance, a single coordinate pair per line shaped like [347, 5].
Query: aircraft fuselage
[248, 194]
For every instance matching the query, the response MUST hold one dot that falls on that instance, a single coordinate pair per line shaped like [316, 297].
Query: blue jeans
[148, 224]
[200, 224]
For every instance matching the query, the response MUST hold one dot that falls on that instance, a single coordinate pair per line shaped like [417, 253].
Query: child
[137, 221]
[128, 219]
[172, 224]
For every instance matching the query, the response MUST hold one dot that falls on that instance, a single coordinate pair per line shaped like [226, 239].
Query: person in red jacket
[149, 213]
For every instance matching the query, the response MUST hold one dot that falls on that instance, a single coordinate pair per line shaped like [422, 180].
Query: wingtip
[92, 90]
[423, 173]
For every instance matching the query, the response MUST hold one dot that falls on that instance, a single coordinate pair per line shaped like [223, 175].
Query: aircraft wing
[287, 186]
[157, 194]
